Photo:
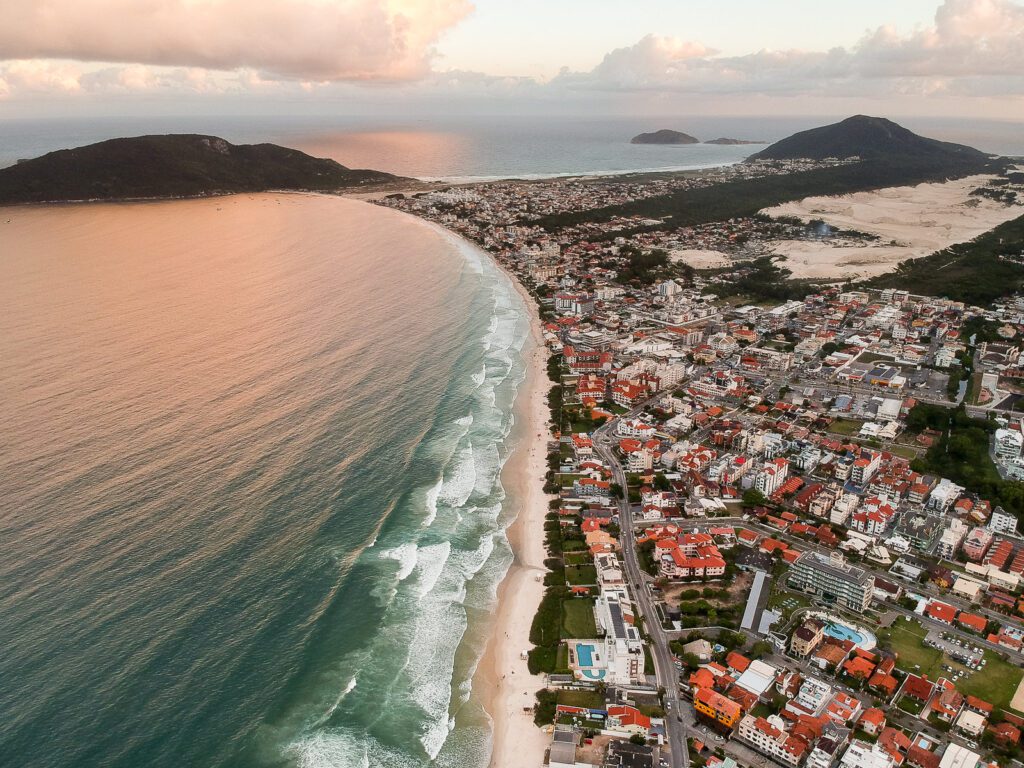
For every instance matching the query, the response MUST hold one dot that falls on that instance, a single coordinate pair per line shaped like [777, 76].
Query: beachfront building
[832, 579]
[623, 649]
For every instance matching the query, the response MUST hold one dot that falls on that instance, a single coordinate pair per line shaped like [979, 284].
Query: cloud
[970, 40]
[318, 40]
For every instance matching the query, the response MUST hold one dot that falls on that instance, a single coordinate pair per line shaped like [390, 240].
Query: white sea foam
[405, 554]
[458, 485]
[465, 421]
[430, 503]
[479, 378]
[430, 563]
[342, 749]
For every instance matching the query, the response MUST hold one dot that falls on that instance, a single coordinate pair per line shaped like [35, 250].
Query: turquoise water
[841, 632]
[585, 653]
[249, 494]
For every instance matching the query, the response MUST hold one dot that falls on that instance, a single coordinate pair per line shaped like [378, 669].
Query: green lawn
[787, 602]
[578, 618]
[905, 637]
[846, 426]
[562, 660]
[577, 558]
[906, 451]
[588, 699]
[996, 683]
[581, 574]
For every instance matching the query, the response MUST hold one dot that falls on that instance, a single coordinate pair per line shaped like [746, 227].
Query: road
[665, 670]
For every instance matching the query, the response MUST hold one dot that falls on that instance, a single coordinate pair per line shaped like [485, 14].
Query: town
[782, 532]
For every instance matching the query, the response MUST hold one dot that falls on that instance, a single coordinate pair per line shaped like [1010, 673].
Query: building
[979, 540]
[806, 637]
[770, 478]
[862, 755]
[623, 648]
[956, 756]
[865, 467]
[1002, 522]
[1008, 444]
[832, 579]
[768, 738]
[716, 708]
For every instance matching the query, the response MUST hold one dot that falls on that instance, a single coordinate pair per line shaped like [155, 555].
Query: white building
[1002, 522]
[771, 477]
[1008, 444]
[862, 755]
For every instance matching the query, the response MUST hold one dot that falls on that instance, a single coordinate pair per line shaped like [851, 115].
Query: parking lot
[962, 651]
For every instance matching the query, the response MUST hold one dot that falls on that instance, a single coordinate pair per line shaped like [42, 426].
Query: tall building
[832, 579]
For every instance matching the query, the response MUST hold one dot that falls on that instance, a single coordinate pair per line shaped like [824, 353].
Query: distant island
[664, 136]
[733, 142]
[175, 165]
[870, 138]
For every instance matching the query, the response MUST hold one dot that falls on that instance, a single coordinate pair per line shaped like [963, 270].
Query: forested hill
[176, 165]
[870, 138]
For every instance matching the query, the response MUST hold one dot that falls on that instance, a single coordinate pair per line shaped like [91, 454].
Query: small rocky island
[664, 136]
[733, 142]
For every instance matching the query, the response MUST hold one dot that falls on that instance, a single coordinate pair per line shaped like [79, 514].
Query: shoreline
[503, 677]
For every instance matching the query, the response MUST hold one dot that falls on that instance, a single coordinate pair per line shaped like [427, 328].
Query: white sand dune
[700, 258]
[910, 222]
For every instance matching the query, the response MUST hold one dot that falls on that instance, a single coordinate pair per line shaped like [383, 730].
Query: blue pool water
[585, 655]
[841, 632]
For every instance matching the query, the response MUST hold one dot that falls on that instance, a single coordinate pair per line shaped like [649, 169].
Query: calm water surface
[249, 497]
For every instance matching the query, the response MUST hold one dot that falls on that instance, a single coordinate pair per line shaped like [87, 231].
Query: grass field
[588, 699]
[846, 426]
[581, 574]
[906, 451]
[996, 683]
[578, 618]
[906, 638]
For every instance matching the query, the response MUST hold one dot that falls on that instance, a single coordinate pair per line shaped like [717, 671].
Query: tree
[636, 738]
[760, 648]
[754, 498]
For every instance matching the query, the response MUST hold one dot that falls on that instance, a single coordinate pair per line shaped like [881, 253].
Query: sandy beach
[910, 222]
[503, 679]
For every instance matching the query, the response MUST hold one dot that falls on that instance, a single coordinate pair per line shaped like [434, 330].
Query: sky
[721, 57]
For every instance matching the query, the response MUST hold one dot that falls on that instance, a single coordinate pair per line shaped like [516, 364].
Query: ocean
[250, 500]
[474, 148]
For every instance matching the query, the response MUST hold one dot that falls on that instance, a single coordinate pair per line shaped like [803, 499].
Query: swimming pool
[841, 632]
[585, 655]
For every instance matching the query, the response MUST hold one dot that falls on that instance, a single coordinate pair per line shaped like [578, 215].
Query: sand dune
[910, 222]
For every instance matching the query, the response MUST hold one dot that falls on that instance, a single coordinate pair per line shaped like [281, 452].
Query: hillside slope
[870, 138]
[176, 165]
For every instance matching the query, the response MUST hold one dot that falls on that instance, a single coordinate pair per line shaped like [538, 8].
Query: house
[940, 612]
[971, 723]
[872, 721]
[629, 720]
[918, 687]
[972, 621]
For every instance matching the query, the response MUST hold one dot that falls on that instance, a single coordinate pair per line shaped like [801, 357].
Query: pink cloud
[302, 39]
